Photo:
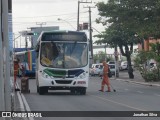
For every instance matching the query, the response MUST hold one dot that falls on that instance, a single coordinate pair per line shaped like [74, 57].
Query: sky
[29, 13]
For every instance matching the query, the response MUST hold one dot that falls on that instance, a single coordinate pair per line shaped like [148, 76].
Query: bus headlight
[44, 75]
[82, 75]
[52, 77]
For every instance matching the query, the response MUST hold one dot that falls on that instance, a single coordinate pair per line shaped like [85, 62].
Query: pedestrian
[105, 80]
[16, 69]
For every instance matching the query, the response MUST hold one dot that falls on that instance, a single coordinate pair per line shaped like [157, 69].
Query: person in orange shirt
[105, 80]
[16, 69]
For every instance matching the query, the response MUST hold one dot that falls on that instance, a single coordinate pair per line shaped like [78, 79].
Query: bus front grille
[63, 81]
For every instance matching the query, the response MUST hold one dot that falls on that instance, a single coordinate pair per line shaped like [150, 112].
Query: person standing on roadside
[105, 80]
[16, 69]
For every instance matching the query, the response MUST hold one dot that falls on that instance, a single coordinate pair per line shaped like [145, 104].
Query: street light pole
[90, 33]
[59, 19]
[40, 23]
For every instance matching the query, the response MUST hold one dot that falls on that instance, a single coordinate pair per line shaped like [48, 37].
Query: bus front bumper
[60, 83]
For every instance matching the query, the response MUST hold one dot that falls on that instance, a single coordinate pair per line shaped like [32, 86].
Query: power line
[48, 15]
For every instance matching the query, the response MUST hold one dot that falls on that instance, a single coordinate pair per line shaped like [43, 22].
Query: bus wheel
[37, 89]
[73, 91]
[42, 90]
[82, 91]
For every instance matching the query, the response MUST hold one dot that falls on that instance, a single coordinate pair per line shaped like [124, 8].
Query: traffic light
[85, 26]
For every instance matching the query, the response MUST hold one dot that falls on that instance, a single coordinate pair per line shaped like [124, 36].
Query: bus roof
[62, 31]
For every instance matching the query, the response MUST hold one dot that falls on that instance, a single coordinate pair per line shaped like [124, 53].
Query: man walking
[105, 80]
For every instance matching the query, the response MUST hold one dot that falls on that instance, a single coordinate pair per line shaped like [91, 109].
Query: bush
[150, 76]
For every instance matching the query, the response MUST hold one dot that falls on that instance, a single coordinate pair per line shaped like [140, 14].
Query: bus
[27, 61]
[62, 61]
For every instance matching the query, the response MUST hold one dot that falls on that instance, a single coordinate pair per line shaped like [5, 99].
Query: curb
[142, 83]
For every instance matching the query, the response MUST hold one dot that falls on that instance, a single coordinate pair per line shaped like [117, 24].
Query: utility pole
[90, 33]
[7, 82]
[40, 23]
[78, 11]
[2, 101]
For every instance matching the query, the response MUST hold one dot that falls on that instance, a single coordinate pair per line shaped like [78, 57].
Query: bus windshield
[64, 54]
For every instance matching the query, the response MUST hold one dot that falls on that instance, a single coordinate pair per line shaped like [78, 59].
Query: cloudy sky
[26, 13]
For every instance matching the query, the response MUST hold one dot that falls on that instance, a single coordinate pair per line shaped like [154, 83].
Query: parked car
[111, 62]
[95, 69]
[112, 67]
[124, 65]
[113, 70]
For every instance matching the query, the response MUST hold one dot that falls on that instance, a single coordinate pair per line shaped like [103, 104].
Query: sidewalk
[137, 79]
[18, 104]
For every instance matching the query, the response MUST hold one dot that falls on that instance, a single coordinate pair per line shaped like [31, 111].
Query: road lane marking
[20, 99]
[157, 94]
[126, 89]
[25, 103]
[140, 92]
[118, 103]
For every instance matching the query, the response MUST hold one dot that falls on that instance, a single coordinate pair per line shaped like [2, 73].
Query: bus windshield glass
[64, 54]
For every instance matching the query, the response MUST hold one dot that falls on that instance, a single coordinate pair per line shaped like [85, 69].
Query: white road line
[20, 100]
[126, 89]
[135, 108]
[25, 103]
[157, 94]
[140, 92]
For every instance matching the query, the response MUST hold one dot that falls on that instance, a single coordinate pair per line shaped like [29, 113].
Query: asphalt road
[128, 97]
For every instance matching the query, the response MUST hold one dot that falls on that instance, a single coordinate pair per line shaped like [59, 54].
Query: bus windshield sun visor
[71, 36]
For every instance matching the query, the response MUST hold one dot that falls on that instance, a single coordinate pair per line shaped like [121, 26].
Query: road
[128, 97]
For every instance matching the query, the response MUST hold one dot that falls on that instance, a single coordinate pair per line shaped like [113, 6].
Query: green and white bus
[62, 62]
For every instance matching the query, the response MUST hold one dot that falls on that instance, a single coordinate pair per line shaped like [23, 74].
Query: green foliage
[150, 76]
[129, 22]
[101, 57]
[126, 18]
[141, 64]
[139, 16]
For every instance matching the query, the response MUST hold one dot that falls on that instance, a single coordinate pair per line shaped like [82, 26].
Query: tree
[128, 22]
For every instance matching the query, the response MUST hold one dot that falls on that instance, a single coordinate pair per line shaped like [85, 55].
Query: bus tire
[37, 89]
[42, 90]
[73, 91]
[82, 91]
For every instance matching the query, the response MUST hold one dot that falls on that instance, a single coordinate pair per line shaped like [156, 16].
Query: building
[147, 42]
[38, 30]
